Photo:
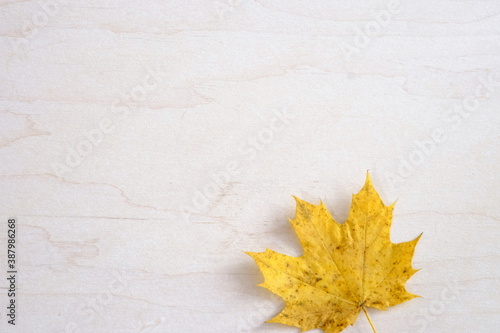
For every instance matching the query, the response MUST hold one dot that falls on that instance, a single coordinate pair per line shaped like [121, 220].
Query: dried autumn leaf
[345, 267]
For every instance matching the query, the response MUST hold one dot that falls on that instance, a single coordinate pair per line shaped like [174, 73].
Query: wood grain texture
[145, 145]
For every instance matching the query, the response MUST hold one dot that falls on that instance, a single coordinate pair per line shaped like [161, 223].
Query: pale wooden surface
[121, 240]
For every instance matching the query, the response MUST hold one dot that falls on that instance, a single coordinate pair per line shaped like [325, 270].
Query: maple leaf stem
[369, 319]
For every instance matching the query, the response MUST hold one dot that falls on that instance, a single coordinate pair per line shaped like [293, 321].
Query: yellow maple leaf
[344, 269]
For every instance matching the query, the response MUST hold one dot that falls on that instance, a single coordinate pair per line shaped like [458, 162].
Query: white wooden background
[145, 144]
